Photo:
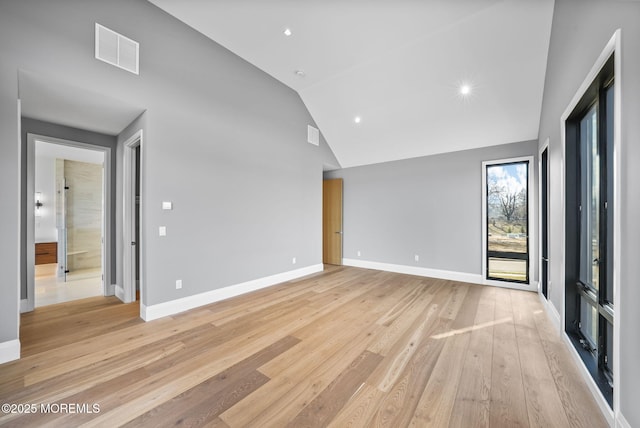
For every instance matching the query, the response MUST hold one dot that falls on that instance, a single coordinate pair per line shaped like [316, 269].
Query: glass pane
[609, 350]
[589, 322]
[509, 269]
[610, 213]
[590, 200]
[507, 207]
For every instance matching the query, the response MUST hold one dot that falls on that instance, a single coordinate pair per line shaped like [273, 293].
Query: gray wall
[224, 142]
[580, 31]
[10, 195]
[33, 126]
[430, 206]
[45, 183]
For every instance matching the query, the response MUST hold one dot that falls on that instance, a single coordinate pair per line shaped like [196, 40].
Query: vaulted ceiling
[397, 65]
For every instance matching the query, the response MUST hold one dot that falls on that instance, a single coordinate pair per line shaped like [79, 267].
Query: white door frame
[544, 147]
[128, 293]
[30, 214]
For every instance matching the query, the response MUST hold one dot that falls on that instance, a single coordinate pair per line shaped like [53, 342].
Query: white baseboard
[24, 306]
[9, 351]
[415, 270]
[621, 422]
[553, 313]
[119, 292]
[149, 313]
[111, 290]
[591, 384]
[472, 278]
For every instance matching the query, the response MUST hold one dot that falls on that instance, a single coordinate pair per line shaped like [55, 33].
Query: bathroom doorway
[69, 184]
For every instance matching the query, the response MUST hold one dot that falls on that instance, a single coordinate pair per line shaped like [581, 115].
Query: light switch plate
[167, 205]
[162, 230]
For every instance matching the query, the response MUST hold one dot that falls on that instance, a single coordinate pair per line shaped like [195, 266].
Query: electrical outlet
[162, 231]
[178, 284]
[293, 261]
[417, 258]
[358, 253]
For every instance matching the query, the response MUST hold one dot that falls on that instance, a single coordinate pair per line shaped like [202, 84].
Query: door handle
[133, 243]
[339, 232]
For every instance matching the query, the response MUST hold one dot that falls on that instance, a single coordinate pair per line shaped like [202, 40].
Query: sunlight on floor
[79, 285]
[472, 328]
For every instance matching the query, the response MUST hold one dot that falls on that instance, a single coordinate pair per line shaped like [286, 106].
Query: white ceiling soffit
[56, 101]
[46, 149]
[398, 65]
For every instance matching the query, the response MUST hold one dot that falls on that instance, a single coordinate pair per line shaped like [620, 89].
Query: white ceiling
[64, 103]
[396, 64]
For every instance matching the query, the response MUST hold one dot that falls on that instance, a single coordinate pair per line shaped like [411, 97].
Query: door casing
[128, 292]
[544, 198]
[29, 217]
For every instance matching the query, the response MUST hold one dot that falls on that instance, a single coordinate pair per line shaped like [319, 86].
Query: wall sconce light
[38, 203]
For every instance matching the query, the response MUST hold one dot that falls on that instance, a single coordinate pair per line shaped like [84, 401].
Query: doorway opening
[67, 230]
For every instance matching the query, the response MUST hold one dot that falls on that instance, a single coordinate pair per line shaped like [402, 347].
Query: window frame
[595, 356]
[531, 285]
[560, 238]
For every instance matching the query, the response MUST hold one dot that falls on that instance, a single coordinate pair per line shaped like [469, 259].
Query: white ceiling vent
[313, 135]
[116, 49]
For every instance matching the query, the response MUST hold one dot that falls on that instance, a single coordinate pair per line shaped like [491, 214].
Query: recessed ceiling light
[287, 32]
[357, 119]
[300, 73]
[465, 89]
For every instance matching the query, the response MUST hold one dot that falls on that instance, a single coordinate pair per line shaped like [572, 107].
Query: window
[589, 229]
[506, 203]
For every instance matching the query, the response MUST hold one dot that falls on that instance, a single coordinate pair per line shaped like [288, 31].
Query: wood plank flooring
[346, 347]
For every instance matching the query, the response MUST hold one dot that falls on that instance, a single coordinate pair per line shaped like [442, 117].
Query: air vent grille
[313, 135]
[116, 49]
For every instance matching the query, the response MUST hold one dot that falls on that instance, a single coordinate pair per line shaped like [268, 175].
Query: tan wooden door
[332, 221]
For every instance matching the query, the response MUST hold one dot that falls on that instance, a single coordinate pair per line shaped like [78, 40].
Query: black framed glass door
[507, 199]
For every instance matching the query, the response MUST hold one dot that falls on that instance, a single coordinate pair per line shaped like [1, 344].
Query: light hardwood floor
[344, 348]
